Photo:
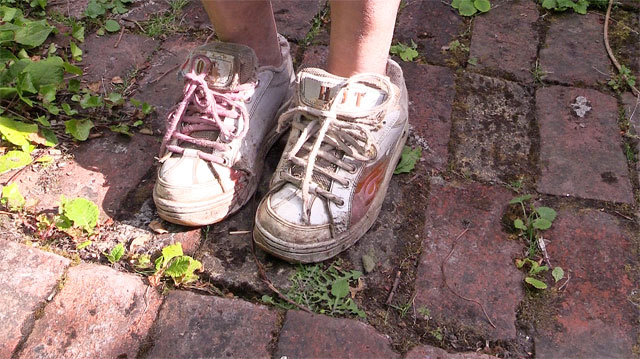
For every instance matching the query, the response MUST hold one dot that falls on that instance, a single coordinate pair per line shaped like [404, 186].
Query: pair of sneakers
[346, 137]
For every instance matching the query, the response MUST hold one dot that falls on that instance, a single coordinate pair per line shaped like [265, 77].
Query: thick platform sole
[319, 252]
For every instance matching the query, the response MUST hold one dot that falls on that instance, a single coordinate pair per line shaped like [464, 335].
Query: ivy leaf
[541, 223]
[115, 98]
[33, 33]
[538, 284]
[72, 70]
[111, 25]
[549, 4]
[482, 5]
[340, 288]
[77, 31]
[14, 159]
[81, 212]
[408, 161]
[16, 132]
[79, 129]
[46, 72]
[517, 223]
[557, 273]
[11, 197]
[48, 93]
[94, 9]
[90, 101]
[547, 213]
[68, 110]
[467, 8]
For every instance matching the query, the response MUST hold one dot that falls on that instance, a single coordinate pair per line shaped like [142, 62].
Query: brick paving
[490, 130]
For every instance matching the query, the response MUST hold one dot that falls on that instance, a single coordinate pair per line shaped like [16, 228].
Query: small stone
[368, 263]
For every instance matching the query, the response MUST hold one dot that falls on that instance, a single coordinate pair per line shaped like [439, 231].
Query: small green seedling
[408, 160]
[116, 253]
[175, 265]
[471, 7]
[406, 52]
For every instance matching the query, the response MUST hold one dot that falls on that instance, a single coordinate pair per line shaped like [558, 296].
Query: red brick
[102, 62]
[100, 313]
[143, 10]
[293, 18]
[195, 17]
[505, 40]
[481, 265]
[432, 25]
[188, 238]
[103, 170]
[197, 326]
[431, 93]
[429, 352]
[491, 127]
[71, 8]
[307, 335]
[594, 317]
[581, 157]
[315, 56]
[574, 51]
[28, 277]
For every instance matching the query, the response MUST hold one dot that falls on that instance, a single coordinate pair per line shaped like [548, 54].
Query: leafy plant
[578, 6]
[529, 225]
[116, 253]
[425, 312]
[324, 291]
[406, 52]
[623, 79]
[78, 212]
[471, 7]
[408, 160]
[175, 265]
[11, 197]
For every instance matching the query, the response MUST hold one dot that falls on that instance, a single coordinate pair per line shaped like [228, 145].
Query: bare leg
[361, 33]
[247, 22]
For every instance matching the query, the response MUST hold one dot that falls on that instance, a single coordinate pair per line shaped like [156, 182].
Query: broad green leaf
[74, 84]
[53, 109]
[6, 56]
[77, 31]
[25, 84]
[549, 4]
[72, 70]
[50, 137]
[116, 253]
[43, 121]
[408, 161]
[90, 101]
[68, 110]
[340, 288]
[14, 159]
[538, 284]
[537, 268]
[46, 72]
[76, 52]
[520, 199]
[581, 7]
[115, 98]
[547, 213]
[467, 8]
[79, 129]
[33, 33]
[541, 223]
[557, 273]
[111, 25]
[94, 9]
[121, 128]
[16, 132]
[517, 223]
[146, 108]
[11, 197]
[83, 245]
[9, 13]
[482, 5]
[48, 93]
[455, 4]
[520, 263]
[168, 252]
[178, 267]
[81, 212]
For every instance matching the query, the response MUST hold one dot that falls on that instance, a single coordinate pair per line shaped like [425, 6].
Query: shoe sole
[319, 252]
[217, 209]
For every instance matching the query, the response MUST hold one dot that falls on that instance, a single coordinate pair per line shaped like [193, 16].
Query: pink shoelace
[207, 112]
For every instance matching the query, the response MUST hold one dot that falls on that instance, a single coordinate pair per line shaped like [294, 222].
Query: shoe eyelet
[341, 204]
[347, 185]
[354, 170]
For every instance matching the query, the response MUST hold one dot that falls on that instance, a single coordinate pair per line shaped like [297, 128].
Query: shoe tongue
[318, 89]
[227, 65]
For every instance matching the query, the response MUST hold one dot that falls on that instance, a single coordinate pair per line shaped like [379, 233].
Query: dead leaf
[35, 137]
[117, 80]
[157, 227]
[94, 87]
[35, 58]
[357, 289]
[146, 131]
[138, 243]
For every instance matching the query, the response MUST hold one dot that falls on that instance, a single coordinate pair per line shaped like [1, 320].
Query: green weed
[471, 7]
[406, 52]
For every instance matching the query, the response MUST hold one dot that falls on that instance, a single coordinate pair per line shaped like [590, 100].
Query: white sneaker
[346, 138]
[219, 134]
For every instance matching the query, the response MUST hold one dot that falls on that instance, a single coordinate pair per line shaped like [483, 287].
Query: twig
[164, 74]
[444, 278]
[623, 216]
[565, 283]
[15, 175]
[394, 287]
[119, 38]
[606, 44]
[135, 22]
[7, 213]
[238, 232]
[209, 37]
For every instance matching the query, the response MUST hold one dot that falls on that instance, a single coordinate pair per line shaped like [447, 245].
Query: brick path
[485, 129]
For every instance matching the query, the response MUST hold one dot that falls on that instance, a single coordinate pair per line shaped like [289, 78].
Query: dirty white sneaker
[346, 139]
[217, 138]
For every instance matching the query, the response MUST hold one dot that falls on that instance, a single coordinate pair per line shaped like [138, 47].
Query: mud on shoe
[217, 137]
[346, 138]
